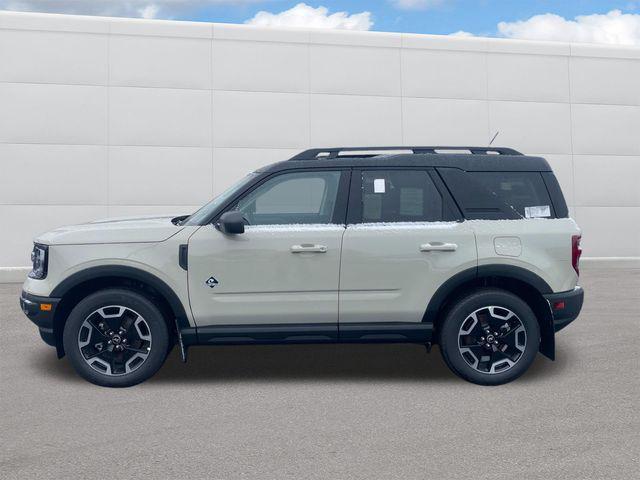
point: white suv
(470, 248)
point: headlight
(39, 258)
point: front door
(400, 247)
(284, 269)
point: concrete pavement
(325, 412)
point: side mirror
(231, 223)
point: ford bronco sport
(467, 247)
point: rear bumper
(41, 311)
(565, 306)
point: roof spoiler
(323, 153)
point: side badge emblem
(211, 282)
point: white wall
(107, 117)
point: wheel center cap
(116, 339)
(490, 338)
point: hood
(113, 230)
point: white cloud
(614, 27)
(302, 15)
(150, 11)
(462, 33)
(117, 8)
(416, 4)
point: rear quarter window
(499, 195)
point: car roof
(480, 159)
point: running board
(387, 332)
(267, 334)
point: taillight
(576, 251)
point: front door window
(298, 198)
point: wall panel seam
(573, 166)
(486, 73)
(213, 136)
(269, 147)
(402, 138)
(146, 204)
(104, 85)
(108, 120)
(308, 93)
(293, 92)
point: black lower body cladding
(41, 311)
(565, 306)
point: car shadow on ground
(303, 363)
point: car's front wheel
(489, 337)
(116, 338)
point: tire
(116, 338)
(474, 352)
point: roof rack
(323, 153)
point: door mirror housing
(231, 223)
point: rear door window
(400, 196)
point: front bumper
(565, 306)
(41, 311)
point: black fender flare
(124, 271)
(517, 273)
(545, 317)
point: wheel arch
(77, 286)
(517, 280)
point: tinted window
(499, 195)
(399, 196)
(523, 191)
(292, 198)
(555, 192)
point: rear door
(403, 241)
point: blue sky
(596, 21)
(476, 16)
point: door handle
(308, 248)
(438, 247)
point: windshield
(204, 212)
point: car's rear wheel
(489, 337)
(116, 338)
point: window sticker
(540, 211)
(378, 185)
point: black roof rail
(324, 153)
